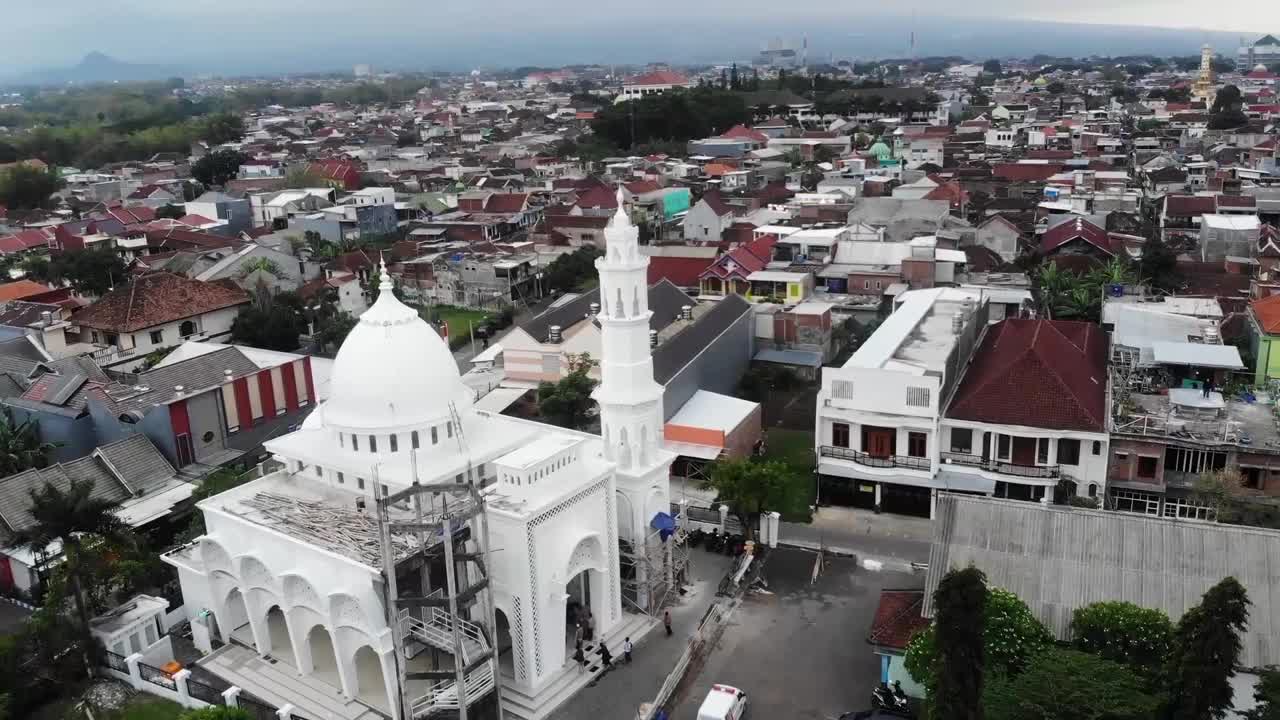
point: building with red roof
(652, 83)
(1031, 410)
(1077, 237)
(728, 274)
(339, 173)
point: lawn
(794, 448)
(460, 320)
(146, 707)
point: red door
(1024, 451)
(879, 443)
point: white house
(999, 235)
(707, 220)
(651, 83)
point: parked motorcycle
(891, 699)
(695, 537)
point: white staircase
(524, 704)
(436, 630)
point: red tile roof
(598, 197)
(1037, 373)
(506, 203)
(717, 203)
(26, 240)
(950, 191)
(1267, 313)
(681, 271)
(1063, 233)
(133, 215)
(20, 289)
(897, 618)
(1188, 205)
(1269, 241)
(182, 238)
(640, 187)
(659, 77)
(156, 299)
(744, 259)
(195, 220)
(1237, 201)
(1025, 172)
(746, 133)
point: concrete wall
(76, 435)
(205, 414)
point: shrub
(1123, 632)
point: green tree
(217, 167)
(223, 128)
(1227, 111)
(1055, 88)
(1206, 651)
(1123, 632)
(1266, 695)
(271, 326)
(959, 618)
(1159, 265)
(567, 403)
(992, 67)
(1011, 636)
(302, 177)
(570, 271)
(1061, 684)
(749, 487)
(69, 518)
(171, 211)
(24, 187)
(92, 272)
(214, 483)
(333, 329)
(20, 445)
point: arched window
(395, 444)
(355, 442)
(618, 305)
(414, 438)
(373, 443)
(635, 301)
(188, 327)
(1093, 490)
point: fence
(116, 662)
(700, 644)
(203, 692)
(257, 709)
(156, 676)
(181, 688)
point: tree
(302, 177)
(333, 329)
(171, 211)
(271, 326)
(992, 67)
(20, 445)
(569, 271)
(567, 403)
(214, 483)
(1267, 696)
(1206, 650)
(1159, 265)
(217, 167)
(1123, 632)
(1062, 684)
(1011, 636)
(959, 618)
(24, 187)
(223, 128)
(68, 518)
(749, 487)
(1227, 112)
(90, 272)
(1055, 88)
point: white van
(724, 702)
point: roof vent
(178, 390)
(554, 334)
(595, 309)
(686, 312)
(957, 323)
(1211, 335)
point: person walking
(626, 650)
(605, 656)
(666, 621)
(581, 658)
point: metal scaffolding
(652, 573)
(425, 527)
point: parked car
(724, 702)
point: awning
(155, 506)
(963, 482)
(803, 358)
(499, 399)
(693, 450)
(1197, 354)
(489, 355)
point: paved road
(800, 653)
(896, 540)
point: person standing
(581, 658)
(591, 627)
(666, 621)
(606, 657)
(626, 650)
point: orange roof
(1267, 312)
(659, 77)
(20, 289)
(718, 169)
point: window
(962, 440)
(916, 444)
(448, 427)
(342, 480)
(355, 442)
(918, 397)
(1002, 447)
(360, 483)
(373, 443)
(1093, 490)
(319, 471)
(395, 444)
(1097, 447)
(385, 492)
(1042, 451)
(1136, 502)
(93, 335)
(1147, 466)
(1068, 452)
(157, 337)
(342, 442)
(840, 434)
(866, 284)
(435, 437)
(413, 437)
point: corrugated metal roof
(1058, 559)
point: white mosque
(290, 566)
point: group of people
(585, 630)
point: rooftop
(918, 336)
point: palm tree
(20, 445)
(70, 518)
(1053, 285)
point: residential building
(337, 173)
(158, 311)
(651, 83)
(234, 214)
(707, 220)
(999, 235)
(1223, 236)
(727, 274)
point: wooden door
(879, 443)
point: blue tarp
(664, 524)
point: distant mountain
(97, 67)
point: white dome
(393, 371)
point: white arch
(254, 573)
(215, 556)
(624, 454)
(298, 592)
(635, 301)
(587, 554)
(626, 516)
(345, 611)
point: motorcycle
(890, 699)
(695, 537)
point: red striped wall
(267, 391)
(290, 387)
(243, 409)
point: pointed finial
(620, 217)
(385, 276)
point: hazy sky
(295, 35)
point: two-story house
(707, 220)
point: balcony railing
(1002, 468)
(876, 461)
